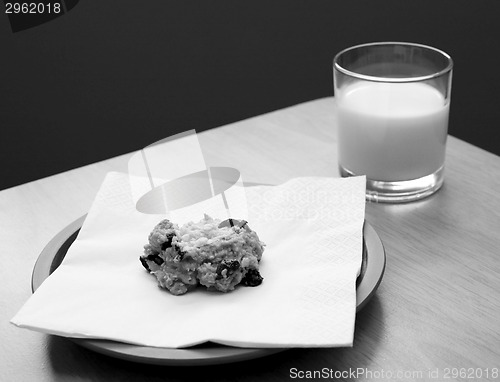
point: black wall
(112, 76)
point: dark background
(113, 76)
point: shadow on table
(70, 361)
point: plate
(372, 270)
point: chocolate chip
(180, 253)
(168, 243)
(252, 278)
(156, 258)
(230, 266)
(144, 263)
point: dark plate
(372, 270)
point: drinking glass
(393, 102)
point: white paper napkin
(312, 228)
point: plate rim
(375, 261)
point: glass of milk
(392, 106)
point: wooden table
(436, 311)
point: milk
(391, 131)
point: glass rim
(365, 77)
